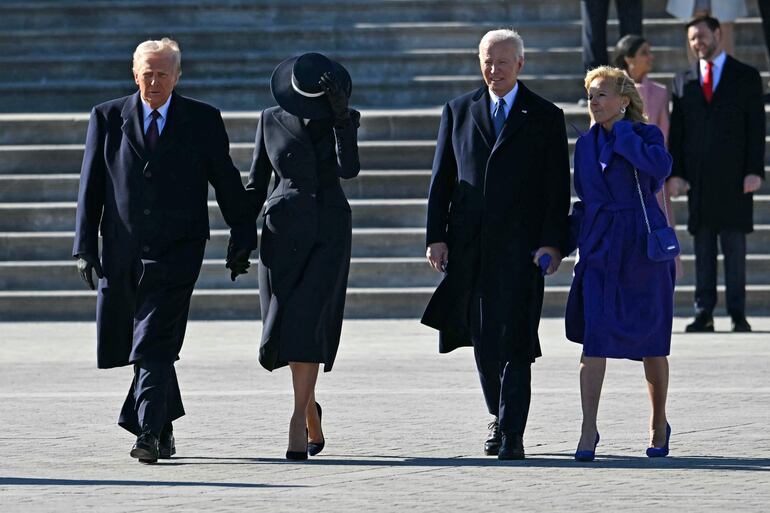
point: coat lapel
(481, 116)
(293, 125)
(724, 81)
(133, 127)
(174, 128)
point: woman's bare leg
(656, 372)
(591, 380)
(303, 377)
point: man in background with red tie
(717, 139)
(148, 161)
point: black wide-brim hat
(296, 88)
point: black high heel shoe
(297, 455)
(314, 448)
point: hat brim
(302, 106)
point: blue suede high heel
(587, 455)
(660, 452)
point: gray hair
(503, 36)
(165, 45)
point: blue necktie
(498, 120)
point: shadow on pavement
(555, 460)
(34, 481)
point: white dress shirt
(509, 99)
(162, 110)
(718, 64)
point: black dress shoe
(492, 444)
(703, 323)
(313, 448)
(740, 324)
(146, 448)
(166, 444)
(511, 447)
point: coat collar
(133, 125)
(293, 125)
(516, 117)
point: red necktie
(708, 82)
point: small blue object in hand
(544, 261)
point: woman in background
(633, 54)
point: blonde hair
(165, 45)
(503, 36)
(624, 86)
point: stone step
(367, 213)
(250, 94)
(292, 38)
(391, 184)
(372, 63)
(374, 155)
(407, 303)
(258, 14)
(48, 275)
(419, 124)
(367, 243)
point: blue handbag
(662, 243)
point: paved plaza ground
(404, 428)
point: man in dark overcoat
(717, 139)
(498, 204)
(149, 159)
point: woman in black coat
(308, 143)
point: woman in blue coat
(621, 302)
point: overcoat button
(148, 174)
(289, 155)
(145, 248)
(146, 211)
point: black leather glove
(338, 99)
(86, 263)
(237, 260)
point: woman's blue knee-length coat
(621, 303)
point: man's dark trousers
(593, 14)
(506, 385)
(733, 245)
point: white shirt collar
(509, 99)
(162, 110)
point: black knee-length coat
(495, 202)
(306, 236)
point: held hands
(338, 100)
(438, 256)
(237, 260)
(87, 263)
(677, 186)
(751, 183)
(555, 255)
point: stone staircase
(406, 59)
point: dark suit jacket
(715, 145)
(147, 207)
(495, 202)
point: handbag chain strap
(644, 208)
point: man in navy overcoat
(498, 204)
(149, 159)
